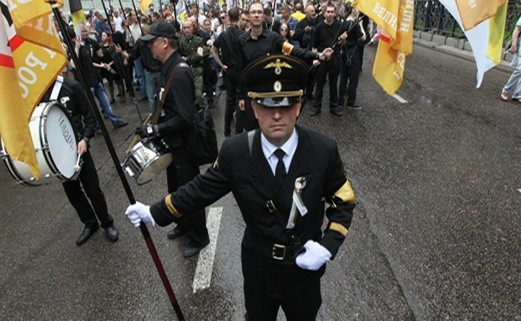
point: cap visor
(278, 102)
(148, 37)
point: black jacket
(179, 106)
(253, 185)
(83, 119)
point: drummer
(179, 112)
(84, 193)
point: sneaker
(354, 106)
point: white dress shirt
(289, 148)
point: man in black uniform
(227, 43)
(304, 33)
(352, 59)
(179, 109)
(284, 175)
(325, 34)
(259, 43)
(86, 187)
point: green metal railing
(431, 16)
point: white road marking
(203, 271)
(399, 98)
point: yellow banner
(473, 12)
(496, 34)
(143, 4)
(31, 56)
(34, 22)
(76, 13)
(396, 18)
(383, 12)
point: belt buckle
(274, 253)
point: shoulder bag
(201, 141)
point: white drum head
(59, 135)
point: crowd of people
(209, 43)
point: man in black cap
(179, 109)
(280, 175)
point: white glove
(314, 257)
(139, 212)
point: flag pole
(126, 186)
(120, 61)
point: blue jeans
(151, 79)
(140, 75)
(513, 81)
(99, 91)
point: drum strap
(164, 91)
(56, 89)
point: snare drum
(147, 159)
(55, 146)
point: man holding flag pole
(115, 159)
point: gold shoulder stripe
(346, 193)
(171, 207)
(337, 227)
(287, 48)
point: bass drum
(55, 146)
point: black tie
(280, 170)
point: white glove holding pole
(314, 257)
(138, 213)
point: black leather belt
(278, 252)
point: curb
(455, 47)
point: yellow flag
(474, 12)
(143, 4)
(486, 38)
(383, 12)
(76, 12)
(396, 20)
(496, 34)
(31, 56)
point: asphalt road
(436, 234)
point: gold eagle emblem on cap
(278, 65)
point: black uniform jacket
(253, 184)
(83, 118)
(179, 104)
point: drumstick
(136, 136)
(77, 167)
